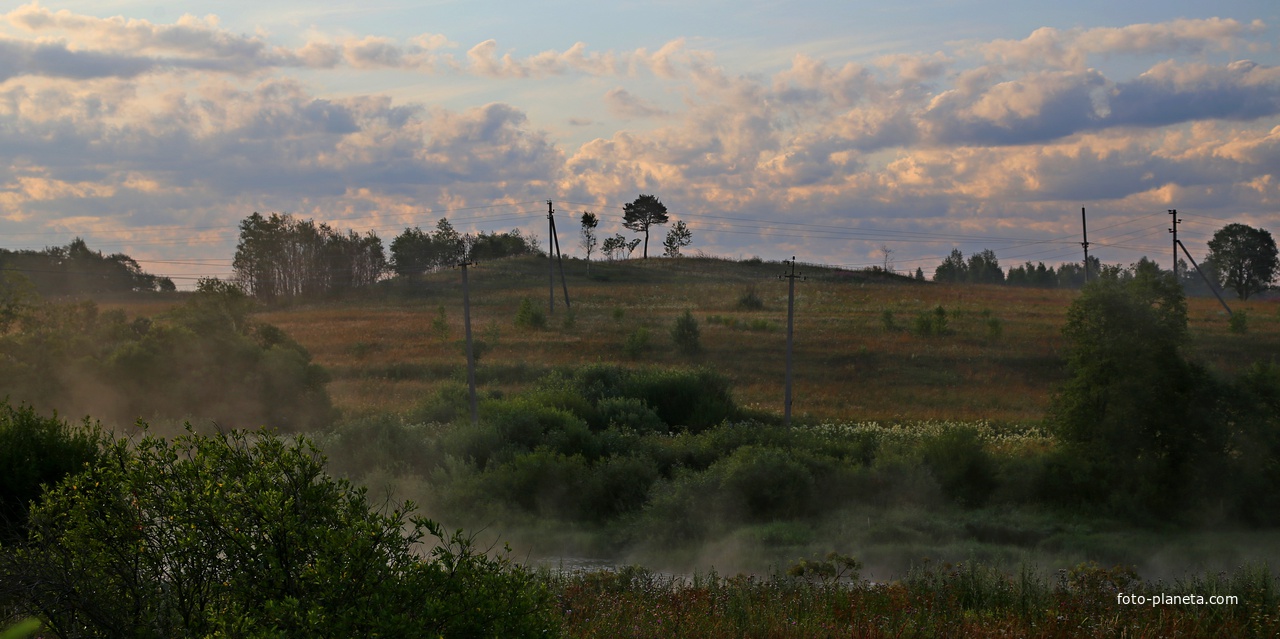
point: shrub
(637, 343)
(440, 325)
(995, 328)
(695, 399)
(685, 334)
(36, 451)
(961, 465)
(766, 483)
(1239, 322)
(246, 535)
(932, 324)
(543, 482)
(630, 413)
(750, 300)
(619, 485)
(529, 316)
(887, 321)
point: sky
(843, 133)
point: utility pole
(1084, 228)
(466, 321)
(551, 264)
(555, 238)
(1212, 287)
(1174, 229)
(791, 314)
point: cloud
(1170, 93)
(623, 104)
(129, 122)
(1071, 49)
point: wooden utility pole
(555, 240)
(1084, 228)
(471, 357)
(1174, 229)
(791, 314)
(551, 263)
(1212, 287)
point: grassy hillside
(858, 354)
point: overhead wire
(1054, 247)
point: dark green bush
(933, 323)
(380, 441)
(637, 343)
(765, 484)
(685, 334)
(1239, 322)
(37, 451)
(961, 464)
(530, 316)
(619, 485)
(246, 535)
(887, 320)
(630, 413)
(449, 402)
(750, 300)
(542, 482)
(682, 398)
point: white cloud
(129, 121)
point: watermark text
(1175, 600)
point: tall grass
(942, 600)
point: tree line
(1240, 257)
(76, 269)
(281, 255)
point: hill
(860, 351)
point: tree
(613, 246)
(1135, 415)
(1243, 258)
(677, 238)
(984, 268)
(283, 256)
(644, 212)
(886, 254)
(411, 252)
(952, 269)
(589, 239)
(493, 246)
(17, 296)
(75, 269)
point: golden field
(1001, 358)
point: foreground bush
(246, 535)
(35, 451)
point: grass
(848, 364)
(939, 600)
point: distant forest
(75, 269)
